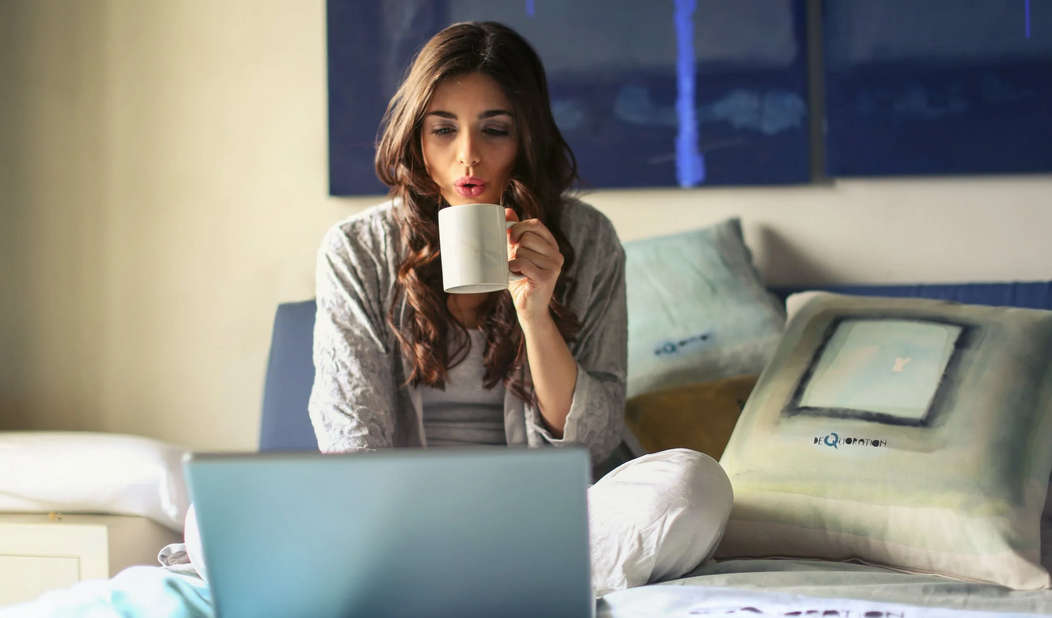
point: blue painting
(647, 93)
(938, 86)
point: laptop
(416, 533)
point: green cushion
(697, 310)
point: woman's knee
(699, 501)
(679, 477)
(657, 517)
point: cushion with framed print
(909, 433)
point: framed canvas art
(937, 87)
(648, 94)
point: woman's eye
(441, 131)
(495, 131)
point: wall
(163, 186)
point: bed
(747, 587)
(789, 587)
(742, 588)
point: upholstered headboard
(285, 425)
(290, 370)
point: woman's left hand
(537, 258)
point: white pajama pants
(655, 518)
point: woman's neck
(465, 307)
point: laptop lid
(406, 532)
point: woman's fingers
(536, 244)
(541, 261)
(526, 268)
(537, 255)
(535, 227)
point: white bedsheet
(689, 601)
(741, 588)
(844, 584)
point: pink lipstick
(470, 186)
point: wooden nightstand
(40, 553)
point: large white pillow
(83, 472)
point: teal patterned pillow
(909, 433)
(697, 310)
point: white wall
(163, 186)
(872, 231)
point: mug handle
(512, 276)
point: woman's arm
(596, 416)
(353, 401)
(554, 372)
(552, 366)
(582, 404)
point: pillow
(699, 417)
(697, 310)
(908, 433)
(82, 472)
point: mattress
(818, 588)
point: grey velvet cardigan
(360, 400)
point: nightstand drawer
(40, 553)
(27, 577)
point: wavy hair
(544, 170)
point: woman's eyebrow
(490, 113)
(443, 114)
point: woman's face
(469, 140)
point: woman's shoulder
(586, 225)
(375, 221)
(373, 231)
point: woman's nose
(467, 150)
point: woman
(395, 356)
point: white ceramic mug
(474, 248)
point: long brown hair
(544, 170)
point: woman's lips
(471, 190)
(470, 186)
